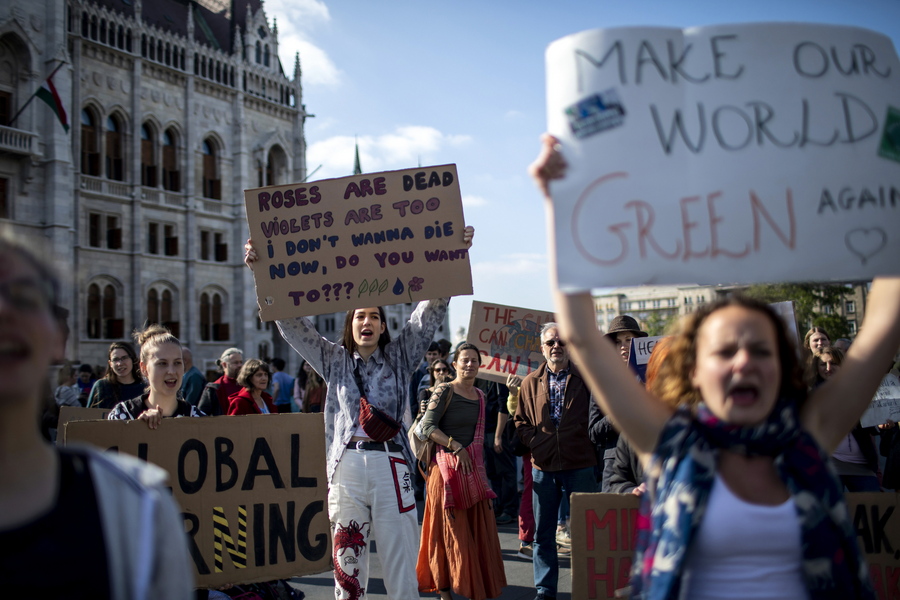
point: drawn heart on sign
(865, 243)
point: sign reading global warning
(732, 153)
(365, 240)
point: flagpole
(27, 102)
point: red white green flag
(48, 94)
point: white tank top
(743, 550)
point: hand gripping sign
(733, 153)
(365, 240)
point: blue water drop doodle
(399, 288)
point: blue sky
(423, 82)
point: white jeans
(373, 497)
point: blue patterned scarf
(679, 482)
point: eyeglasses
(551, 343)
(120, 359)
(436, 370)
(26, 295)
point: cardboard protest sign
(76, 413)
(876, 520)
(725, 154)
(886, 403)
(252, 489)
(365, 240)
(604, 528)
(509, 338)
(639, 355)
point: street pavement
(519, 574)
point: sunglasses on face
(440, 370)
(551, 343)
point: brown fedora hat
(624, 323)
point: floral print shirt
(385, 375)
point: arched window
(90, 146)
(101, 313)
(212, 185)
(205, 318)
(115, 163)
(212, 317)
(161, 309)
(103, 30)
(258, 53)
(266, 56)
(276, 166)
(152, 306)
(148, 156)
(94, 27)
(94, 312)
(220, 328)
(165, 308)
(170, 173)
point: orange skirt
(460, 549)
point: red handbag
(376, 423)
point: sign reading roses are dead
(733, 153)
(366, 240)
(252, 489)
(509, 338)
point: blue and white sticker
(595, 114)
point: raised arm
(301, 333)
(636, 412)
(834, 408)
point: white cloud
(470, 201)
(404, 148)
(298, 20)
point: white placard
(732, 153)
(886, 403)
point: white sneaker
(562, 536)
(526, 551)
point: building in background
(174, 107)
(656, 306)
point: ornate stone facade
(173, 110)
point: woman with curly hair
(739, 500)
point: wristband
(457, 451)
(450, 443)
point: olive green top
(458, 422)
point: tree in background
(657, 322)
(810, 302)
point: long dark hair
(347, 340)
(111, 376)
(438, 361)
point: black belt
(391, 446)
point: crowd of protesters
(730, 420)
